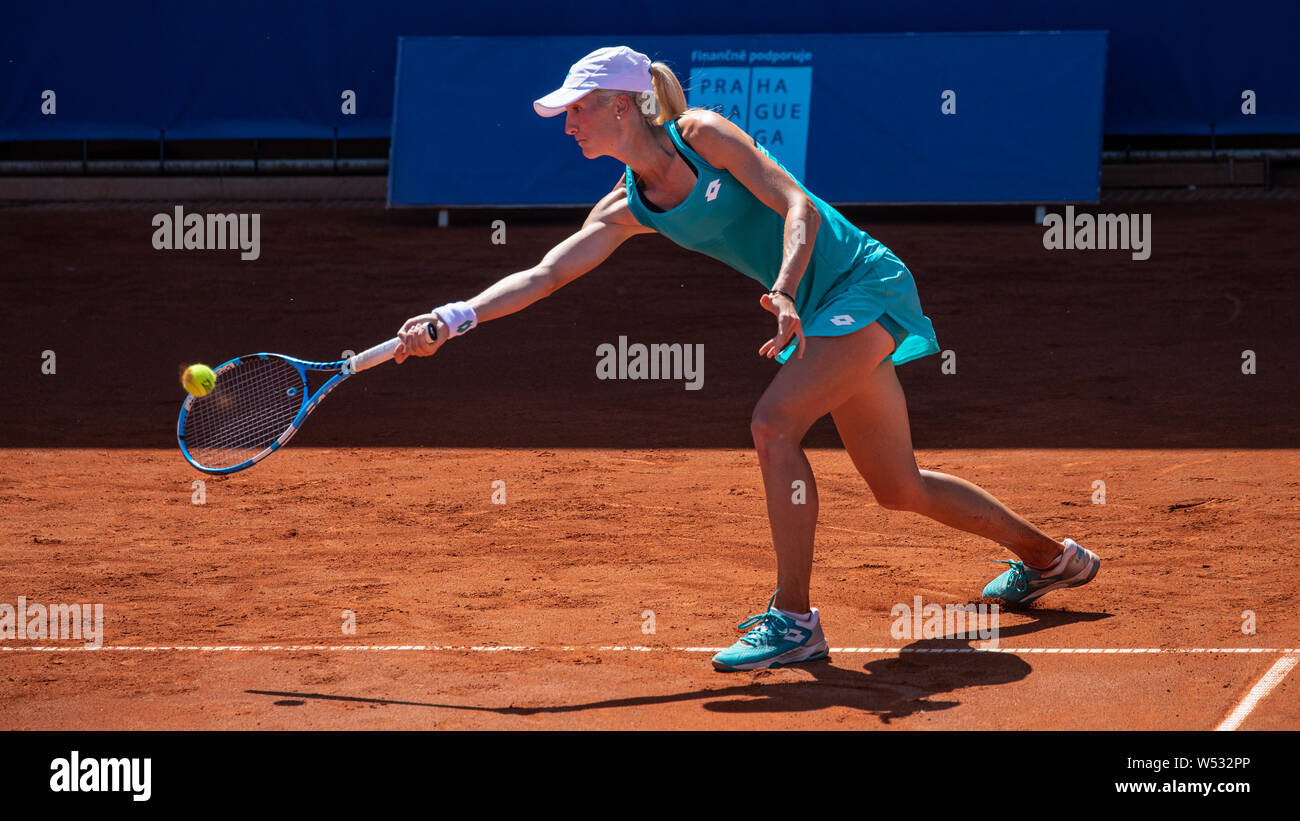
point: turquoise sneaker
(1022, 583)
(773, 640)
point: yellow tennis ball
(199, 380)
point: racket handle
(381, 353)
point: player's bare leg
(873, 425)
(830, 372)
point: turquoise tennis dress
(851, 279)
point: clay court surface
(623, 497)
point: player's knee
(901, 496)
(770, 430)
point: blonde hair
(667, 102)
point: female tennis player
(846, 310)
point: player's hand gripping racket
(258, 403)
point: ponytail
(666, 102)
(668, 94)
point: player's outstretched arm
(571, 258)
(609, 224)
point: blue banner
(1009, 117)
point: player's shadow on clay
(903, 685)
(899, 686)
(889, 688)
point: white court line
(494, 648)
(1257, 693)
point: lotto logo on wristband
(457, 316)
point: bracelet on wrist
(778, 292)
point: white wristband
(458, 317)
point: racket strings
(253, 404)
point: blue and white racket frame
(343, 368)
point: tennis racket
(258, 403)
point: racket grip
(381, 353)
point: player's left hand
(788, 325)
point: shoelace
(764, 625)
(1018, 578)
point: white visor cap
(617, 68)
